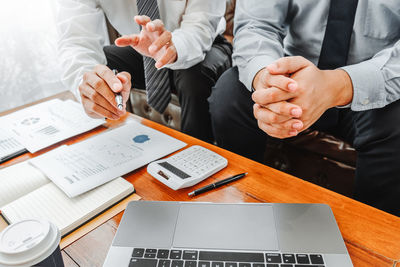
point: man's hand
(272, 117)
(98, 91)
(317, 91)
(153, 41)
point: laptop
(189, 234)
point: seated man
(341, 74)
(176, 45)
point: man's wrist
(256, 81)
(343, 87)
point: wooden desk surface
(372, 236)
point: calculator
(187, 168)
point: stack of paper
(42, 125)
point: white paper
(8, 143)
(93, 162)
(48, 123)
(18, 180)
(50, 203)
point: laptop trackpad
(226, 226)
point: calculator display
(181, 174)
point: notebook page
(50, 203)
(19, 180)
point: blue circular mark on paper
(141, 138)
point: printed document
(8, 143)
(47, 123)
(83, 166)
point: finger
(155, 26)
(281, 82)
(161, 41)
(168, 57)
(90, 113)
(109, 77)
(288, 65)
(275, 132)
(142, 20)
(271, 95)
(99, 86)
(97, 110)
(260, 79)
(289, 125)
(267, 116)
(89, 92)
(285, 108)
(126, 40)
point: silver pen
(118, 97)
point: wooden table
(372, 236)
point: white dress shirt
(83, 33)
(267, 30)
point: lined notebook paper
(29, 194)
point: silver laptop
(188, 234)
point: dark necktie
(335, 47)
(157, 81)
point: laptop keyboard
(194, 258)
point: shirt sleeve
(82, 33)
(376, 82)
(199, 27)
(259, 33)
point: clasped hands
(292, 93)
(99, 86)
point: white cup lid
(28, 242)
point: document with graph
(83, 166)
(8, 144)
(47, 123)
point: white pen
(118, 97)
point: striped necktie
(157, 81)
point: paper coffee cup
(30, 243)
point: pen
(217, 184)
(13, 155)
(118, 97)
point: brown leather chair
(314, 156)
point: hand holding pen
(118, 96)
(98, 92)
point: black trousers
(192, 85)
(375, 134)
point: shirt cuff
(368, 85)
(76, 92)
(248, 72)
